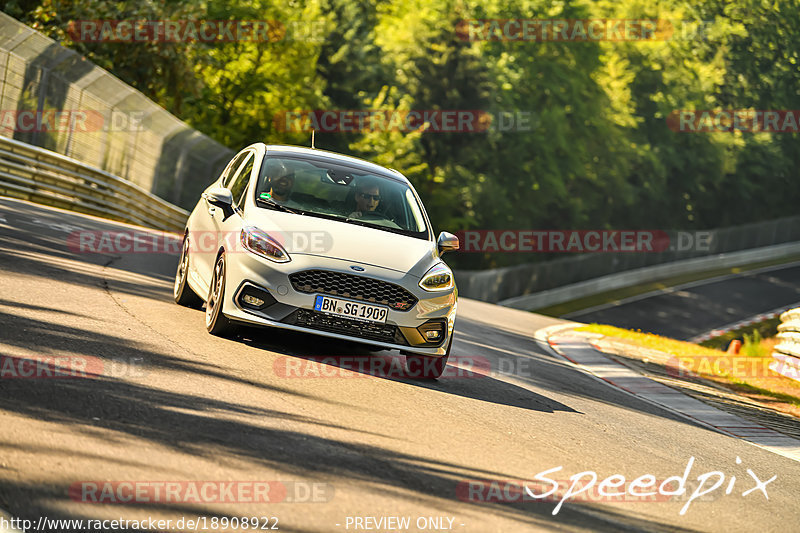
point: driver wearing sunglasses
(368, 196)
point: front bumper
(294, 310)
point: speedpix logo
(588, 486)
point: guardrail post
(43, 81)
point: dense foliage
(599, 152)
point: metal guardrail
(49, 178)
(505, 285)
(107, 123)
(787, 352)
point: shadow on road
(189, 422)
(344, 360)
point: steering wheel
(373, 215)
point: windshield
(347, 193)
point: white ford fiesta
(319, 242)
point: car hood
(308, 235)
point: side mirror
(222, 198)
(447, 242)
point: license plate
(348, 309)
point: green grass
(703, 362)
(780, 396)
(652, 341)
(764, 330)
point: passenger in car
(281, 187)
(280, 181)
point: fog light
(253, 297)
(432, 332)
(252, 300)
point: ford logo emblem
(357, 268)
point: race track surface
(166, 402)
(688, 311)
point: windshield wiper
(356, 221)
(360, 222)
(278, 207)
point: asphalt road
(189, 407)
(687, 311)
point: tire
(183, 294)
(217, 323)
(428, 367)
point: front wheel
(425, 366)
(183, 294)
(217, 323)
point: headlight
(260, 243)
(438, 278)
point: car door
(204, 236)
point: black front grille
(353, 287)
(343, 326)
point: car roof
(284, 149)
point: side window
(227, 175)
(239, 185)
